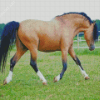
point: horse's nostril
(92, 47)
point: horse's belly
(49, 47)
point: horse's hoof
(44, 83)
(55, 79)
(5, 82)
(87, 78)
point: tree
(1, 29)
(98, 25)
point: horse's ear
(94, 22)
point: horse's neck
(80, 25)
(77, 23)
(75, 20)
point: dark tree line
(1, 29)
(98, 25)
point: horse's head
(91, 35)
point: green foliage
(98, 24)
(1, 29)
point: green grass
(27, 86)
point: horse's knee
(64, 66)
(12, 64)
(34, 65)
(63, 70)
(77, 61)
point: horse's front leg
(75, 58)
(64, 63)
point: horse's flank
(47, 35)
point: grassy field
(27, 86)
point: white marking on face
(9, 78)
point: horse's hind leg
(20, 51)
(34, 65)
(75, 58)
(13, 61)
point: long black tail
(7, 39)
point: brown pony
(47, 36)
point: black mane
(80, 13)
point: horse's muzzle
(92, 47)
